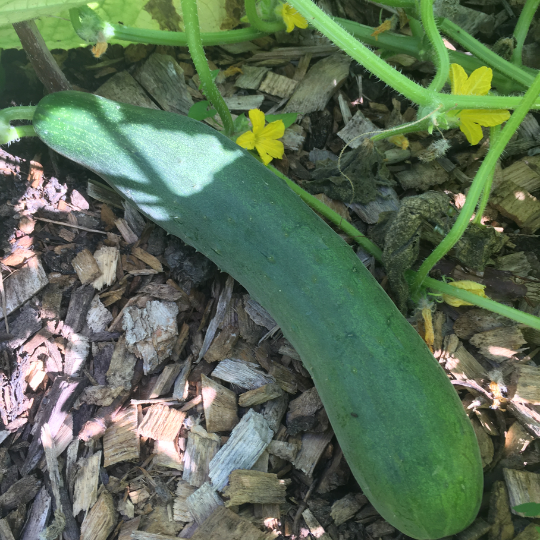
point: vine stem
(193, 34)
(17, 113)
(263, 26)
(522, 29)
(347, 43)
(412, 45)
(440, 52)
(485, 303)
(521, 75)
(478, 184)
(494, 133)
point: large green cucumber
(396, 416)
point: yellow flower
(291, 17)
(478, 84)
(429, 337)
(470, 286)
(263, 138)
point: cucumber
(397, 418)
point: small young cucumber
(397, 418)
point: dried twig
(65, 224)
(43, 62)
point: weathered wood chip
(247, 442)
(122, 365)
(121, 441)
(459, 361)
(316, 529)
(151, 331)
(523, 487)
(254, 487)
(101, 520)
(313, 446)
(86, 267)
(220, 409)
(524, 385)
(201, 448)
(260, 395)
(278, 85)
(499, 344)
(201, 503)
(167, 455)
(107, 260)
(122, 87)
(161, 422)
(226, 525)
(222, 344)
(125, 230)
(86, 484)
(183, 491)
(38, 516)
(23, 284)
(163, 78)
(500, 517)
(21, 492)
(243, 374)
(148, 259)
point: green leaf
(528, 509)
(215, 15)
(200, 111)
(15, 11)
(288, 118)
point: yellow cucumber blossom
(263, 138)
(291, 17)
(477, 84)
(471, 286)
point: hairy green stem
(494, 133)
(450, 101)
(209, 88)
(440, 52)
(492, 59)
(338, 35)
(414, 46)
(478, 184)
(263, 26)
(332, 216)
(420, 125)
(522, 29)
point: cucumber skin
(398, 420)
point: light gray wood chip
(23, 284)
(201, 448)
(201, 503)
(247, 442)
(243, 374)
